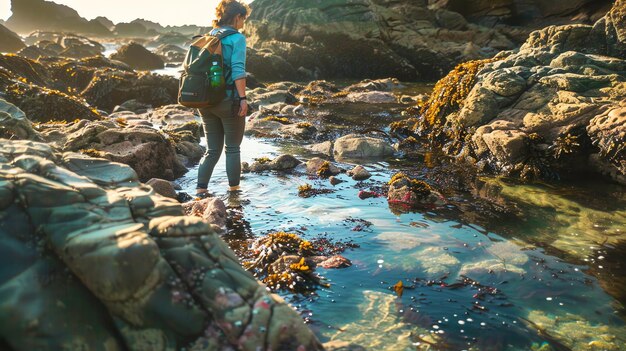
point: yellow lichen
(283, 120)
(324, 170)
(263, 160)
(92, 153)
(304, 125)
(341, 94)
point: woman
(225, 123)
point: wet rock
(268, 66)
(529, 113)
(133, 106)
(387, 84)
(280, 163)
(372, 97)
(301, 131)
(42, 104)
(335, 262)
(358, 146)
(79, 47)
(171, 53)
(411, 192)
(325, 148)
(365, 194)
(359, 173)
(262, 127)
(9, 41)
(608, 133)
(173, 114)
(334, 180)
(33, 52)
(118, 240)
(24, 69)
(212, 210)
(382, 37)
(138, 57)
(266, 96)
(189, 131)
(170, 38)
(321, 167)
(14, 124)
(146, 150)
(162, 187)
(109, 88)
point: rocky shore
(552, 109)
(92, 145)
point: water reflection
(497, 268)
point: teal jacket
(234, 53)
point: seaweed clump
(280, 260)
(565, 144)
(283, 120)
(419, 187)
(93, 153)
(304, 125)
(307, 191)
(450, 92)
(324, 171)
(448, 96)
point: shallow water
(544, 261)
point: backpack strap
(229, 72)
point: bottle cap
(215, 63)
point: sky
(179, 12)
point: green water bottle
(217, 76)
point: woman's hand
(243, 108)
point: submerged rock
(120, 251)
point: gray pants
(222, 126)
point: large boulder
(150, 153)
(109, 88)
(359, 146)
(541, 111)
(138, 57)
(31, 15)
(9, 41)
(103, 263)
(400, 39)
